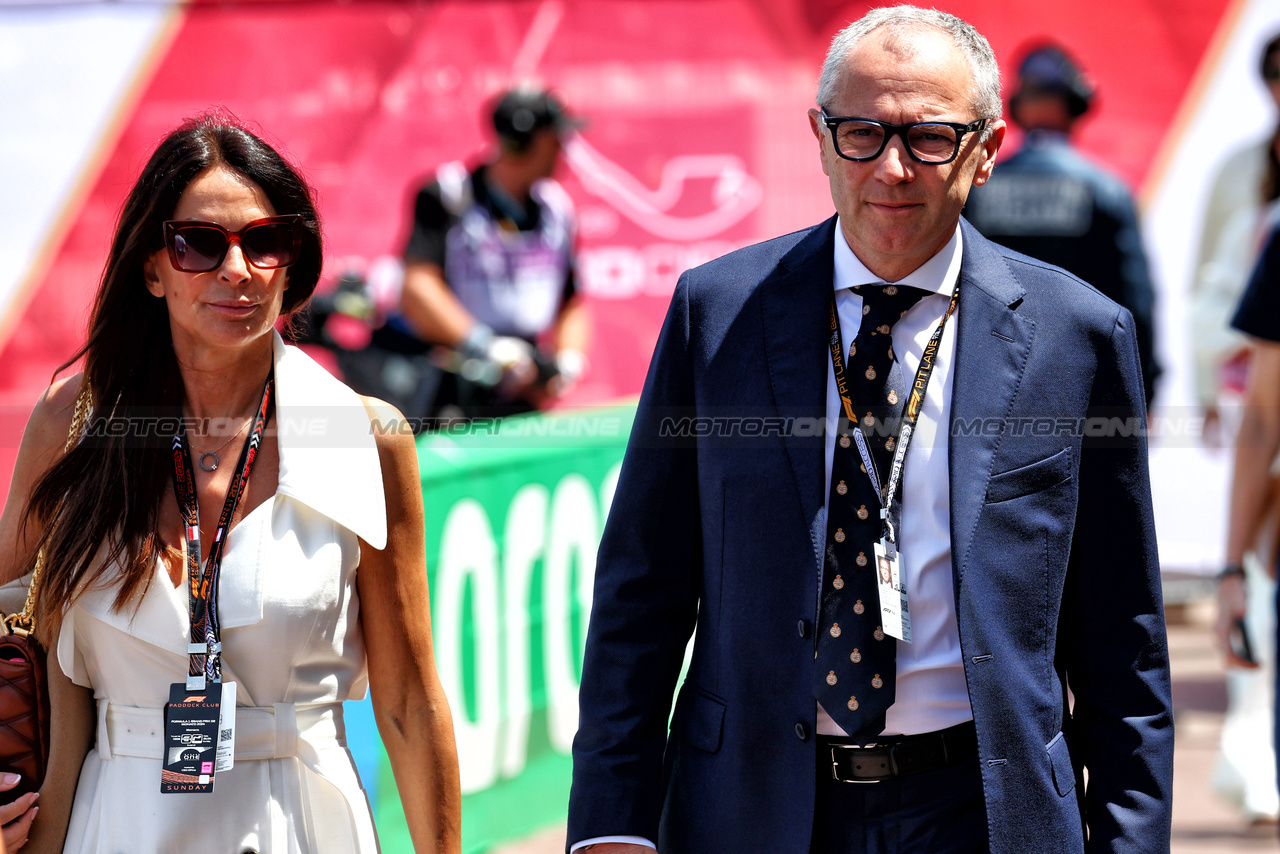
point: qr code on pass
(225, 735)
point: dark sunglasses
(199, 247)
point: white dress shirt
(931, 693)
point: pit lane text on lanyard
(895, 613)
(199, 720)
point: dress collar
(328, 454)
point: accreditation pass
(895, 616)
(199, 736)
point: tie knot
(887, 303)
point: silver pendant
(215, 461)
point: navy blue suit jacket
(1053, 552)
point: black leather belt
(898, 755)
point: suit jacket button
(802, 628)
(802, 732)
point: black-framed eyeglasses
(935, 143)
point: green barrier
(514, 511)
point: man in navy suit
(886, 386)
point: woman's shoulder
(392, 431)
(52, 416)
(42, 444)
(398, 456)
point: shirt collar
(937, 275)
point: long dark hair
(100, 503)
(1271, 175)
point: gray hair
(985, 99)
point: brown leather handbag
(24, 683)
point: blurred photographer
(1050, 202)
(489, 270)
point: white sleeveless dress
(292, 643)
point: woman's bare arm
(74, 721)
(408, 701)
(1256, 446)
(72, 706)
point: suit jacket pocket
(1028, 479)
(699, 719)
(1064, 775)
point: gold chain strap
(26, 621)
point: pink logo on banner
(206, 767)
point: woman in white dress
(308, 519)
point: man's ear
(149, 275)
(820, 132)
(989, 148)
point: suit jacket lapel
(795, 307)
(992, 345)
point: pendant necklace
(214, 453)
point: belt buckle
(852, 748)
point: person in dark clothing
(1050, 202)
(490, 270)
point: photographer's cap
(520, 113)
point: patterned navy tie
(855, 666)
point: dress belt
(262, 732)
(897, 755)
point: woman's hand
(1231, 607)
(16, 817)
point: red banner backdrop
(697, 139)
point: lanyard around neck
(915, 401)
(205, 645)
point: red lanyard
(205, 646)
